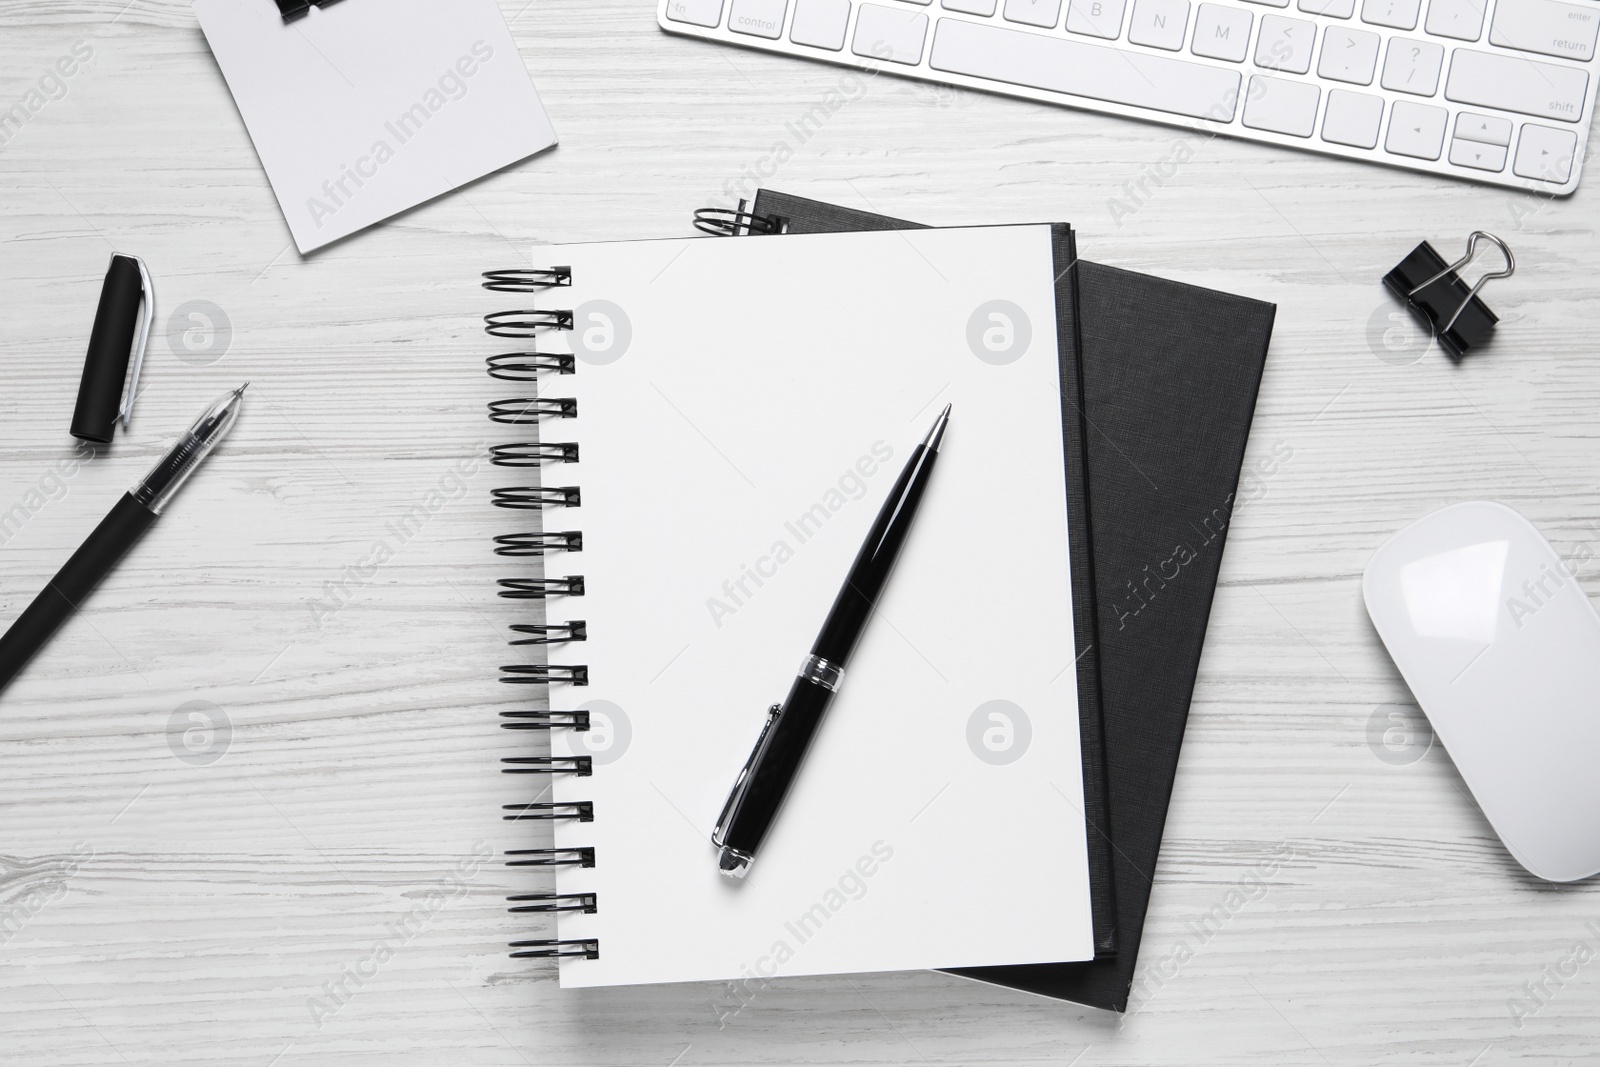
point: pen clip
(141, 337)
(736, 795)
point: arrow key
(1416, 130)
(1485, 129)
(1544, 153)
(1477, 155)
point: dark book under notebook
(1170, 378)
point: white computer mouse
(1501, 648)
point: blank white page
(364, 109)
(743, 407)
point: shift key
(1512, 83)
(1548, 27)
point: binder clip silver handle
(1472, 250)
(1435, 293)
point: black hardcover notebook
(1170, 375)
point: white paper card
(368, 107)
(743, 407)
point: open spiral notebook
(717, 424)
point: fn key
(695, 12)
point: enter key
(1548, 27)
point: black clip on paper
(298, 9)
(1437, 295)
(121, 332)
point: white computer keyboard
(1498, 91)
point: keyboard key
(1546, 27)
(1285, 44)
(1412, 66)
(1348, 55)
(1339, 9)
(1281, 105)
(1416, 130)
(1485, 129)
(1544, 153)
(820, 23)
(1097, 18)
(1477, 155)
(1221, 32)
(1044, 13)
(1511, 83)
(1159, 23)
(971, 7)
(695, 12)
(1353, 119)
(1271, 3)
(759, 18)
(1461, 19)
(890, 33)
(1064, 65)
(1396, 14)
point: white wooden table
(271, 894)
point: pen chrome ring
(733, 863)
(821, 672)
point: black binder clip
(121, 332)
(1447, 305)
(298, 9)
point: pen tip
(936, 435)
(240, 391)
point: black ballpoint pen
(760, 789)
(118, 532)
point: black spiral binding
(578, 811)
(541, 588)
(525, 409)
(534, 498)
(552, 857)
(533, 454)
(582, 766)
(526, 322)
(527, 366)
(530, 366)
(736, 222)
(545, 720)
(550, 633)
(537, 544)
(550, 949)
(584, 902)
(544, 673)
